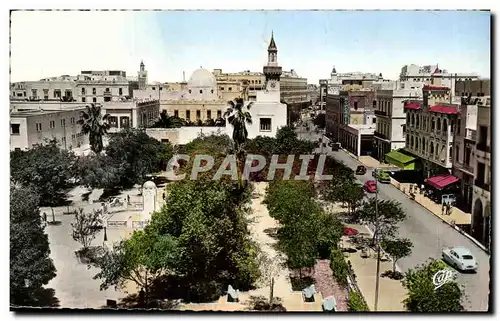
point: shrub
(357, 302)
(339, 266)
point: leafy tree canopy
(30, 264)
(397, 249)
(422, 297)
(47, 168)
(390, 213)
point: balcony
(465, 168)
(483, 147)
(380, 113)
(470, 134)
(482, 185)
(107, 94)
(379, 135)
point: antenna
(183, 76)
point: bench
(329, 304)
(308, 293)
(232, 294)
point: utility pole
(377, 244)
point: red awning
(431, 87)
(441, 181)
(451, 110)
(412, 106)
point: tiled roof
(451, 110)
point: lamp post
(377, 244)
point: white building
(33, 122)
(87, 87)
(391, 120)
(433, 75)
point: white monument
(149, 194)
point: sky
(53, 43)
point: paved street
(429, 236)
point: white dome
(149, 184)
(202, 78)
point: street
(429, 236)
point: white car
(460, 258)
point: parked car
(360, 170)
(460, 258)
(370, 186)
(335, 147)
(381, 175)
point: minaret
(272, 71)
(142, 76)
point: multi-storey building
(390, 134)
(429, 130)
(88, 87)
(433, 75)
(350, 120)
(481, 199)
(474, 93)
(33, 122)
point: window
(407, 140)
(221, 88)
(423, 145)
(73, 137)
(113, 121)
(14, 129)
(445, 125)
(230, 88)
(198, 114)
(52, 124)
(403, 127)
(94, 91)
(107, 99)
(417, 121)
(212, 91)
(124, 122)
(34, 93)
(94, 99)
(416, 143)
(433, 124)
(467, 154)
(260, 82)
(154, 88)
(355, 105)
(161, 88)
(63, 122)
(84, 99)
(432, 148)
(201, 91)
(438, 124)
(374, 120)
(374, 103)
(188, 114)
(265, 124)
(411, 141)
(176, 113)
(457, 152)
(45, 94)
(83, 91)
(209, 114)
(38, 127)
(24, 93)
(483, 135)
(120, 91)
(57, 93)
(189, 90)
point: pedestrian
(422, 187)
(448, 209)
(442, 209)
(128, 199)
(45, 217)
(411, 188)
(163, 196)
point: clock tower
(272, 71)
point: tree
(98, 171)
(86, 227)
(238, 116)
(96, 125)
(136, 155)
(30, 264)
(167, 121)
(320, 121)
(390, 213)
(422, 295)
(47, 168)
(351, 193)
(141, 259)
(330, 231)
(397, 249)
(270, 267)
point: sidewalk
(391, 292)
(457, 216)
(369, 161)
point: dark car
(360, 170)
(335, 147)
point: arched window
(432, 148)
(445, 125)
(418, 121)
(439, 124)
(413, 119)
(411, 141)
(201, 91)
(423, 145)
(189, 90)
(212, 91)
(416, 143)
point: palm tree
(96, 125)
(166, 121)
(238, 116)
